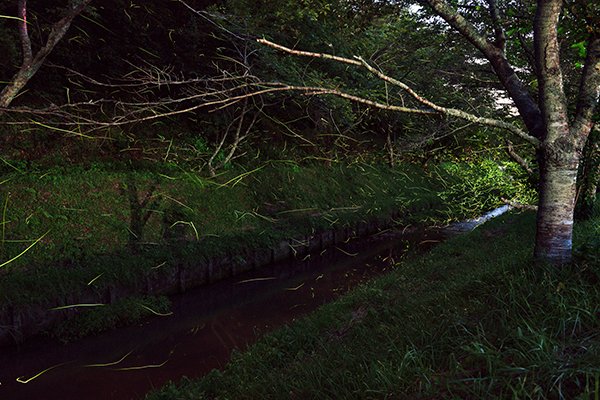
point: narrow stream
(207, 324)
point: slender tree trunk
(19, 81)
(560, 155)
(32, 63)
(554, 236)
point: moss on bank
(471, 319)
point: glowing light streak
(25, 381)
(295, 288)
(94, 280)
(142, 367)
(24, 251)
(156, 312)
(110, 364)
(77, 305)
(257, 280)
(346, 253)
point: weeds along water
(66, 230)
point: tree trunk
(560, 155)
(31, 64)
(554, 237)
(18, 82)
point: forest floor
(471, 319)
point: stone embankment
(20, 322)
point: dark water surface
(206, 325)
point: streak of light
(159, 265)
(142, 366)
(197, 329)
(95, 279)
(110, 363)
(21, 380)
(78, 305)
(270, 278)
(156, 312)
(24, 251)
(295, 288)
(429, 241)
(346, 253)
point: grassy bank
(106, 225)
(471, 319)
(67, 230)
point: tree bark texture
(494, 52)
(554, 235)
(554, 238)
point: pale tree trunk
(564, 141)
(554, 235)
(554, 238)
(30, 63)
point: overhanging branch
(434, 108)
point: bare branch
(519, 206)
(309, 53)
(517, 158)
(434, 107)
